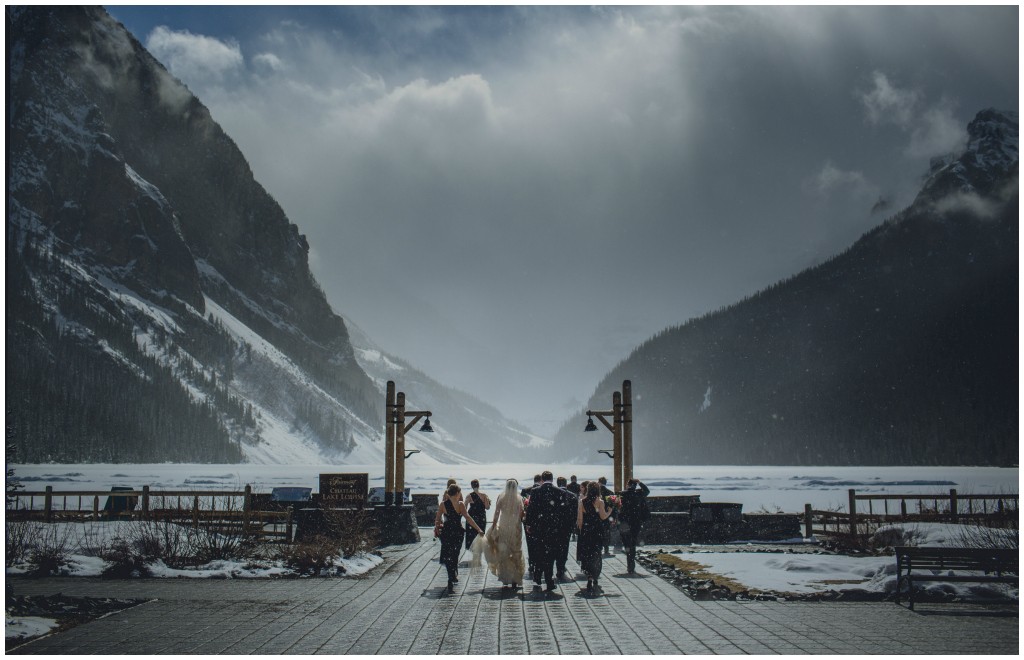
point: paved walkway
(402, 608)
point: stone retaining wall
(676, 527)
(425, 506)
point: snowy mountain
(465, 428)
(160, 305)
(900, 350)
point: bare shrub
(13, 484)
(92, 539)
(50, 549)
(47, 561)
(141, 543)
(311, 556)
(148, 539)
(220, 537)
(214, 542)
(19, 539)
(983, 536)
(995, 526)
(166, 540)
(346, 532)
(354, 528)
(126, 560)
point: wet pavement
(403, 607)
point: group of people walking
(550, 513)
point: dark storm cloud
(557, 184)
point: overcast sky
(513, 198)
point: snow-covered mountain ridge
(989, 158)
(475, 420)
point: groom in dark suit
(564, 535)
(531, 550)
(546, 520)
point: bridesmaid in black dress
(478, 504)
(589, 519)
(451, 533)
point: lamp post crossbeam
(417, 415)
(600, 416)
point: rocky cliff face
(228, 220)
(131, 213)
(981, 178)
(67, 174)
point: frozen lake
(756, 487)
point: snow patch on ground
(806, 573)
(810, 572)
(798, 573)
(27, 626)
(86, 539)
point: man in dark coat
(574, 486)
(634, 512)
(531, 552)
(568, 507)
(545, 520)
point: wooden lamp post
(621, 427)
(389, 445)
(395, 452)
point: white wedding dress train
(502, 545)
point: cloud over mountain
(194, 56)
(533, 156)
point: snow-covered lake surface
(772, 488)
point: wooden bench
(917, 564)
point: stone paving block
(401, 609)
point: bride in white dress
(502, 546)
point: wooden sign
(344, 490)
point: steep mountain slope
(146, 266)
(901, 350)
(465, 428)
(160, 304)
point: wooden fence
(874, 510)
(217, 510)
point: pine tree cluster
(80, 388)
